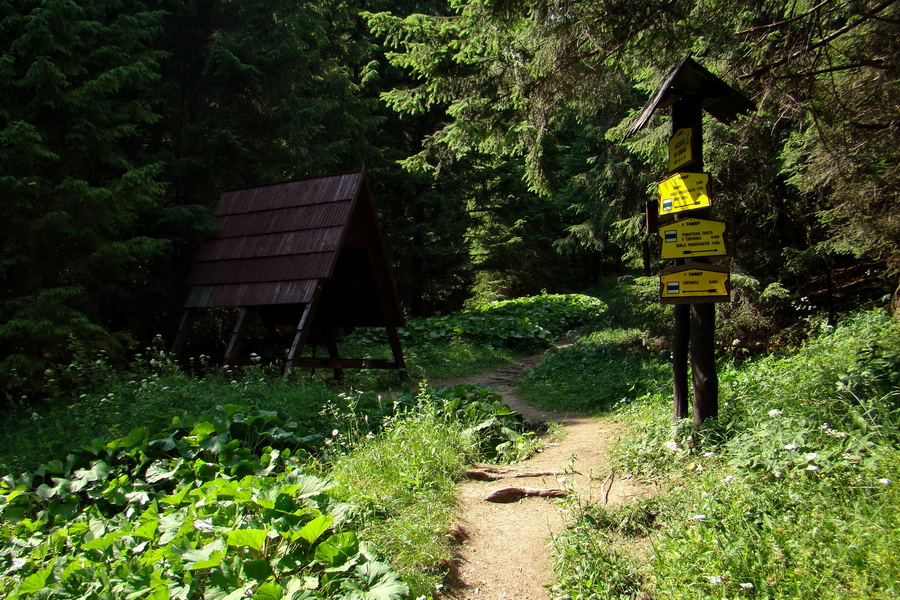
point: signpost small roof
(690, 78)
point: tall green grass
(792, 493)
(404, 481)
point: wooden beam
(237, 335)
(181, 337)
(304, 329)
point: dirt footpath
(504, 547)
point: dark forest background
(492, 131)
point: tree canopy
(493, 131)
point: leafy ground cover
(790, 494)
(154, 483)
(484, 337)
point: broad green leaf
(203, 429)
(268, 591)
(248, 538)
(376, 582)
(338, 551)
(215, 444)
(206, 557)
(162, 470)
(98, 472)
(36, 581)
(308, 485)
(260, 570)
(103, 542)
(313, 530)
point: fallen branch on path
(609, 479)
(495, 474)
(514, 493)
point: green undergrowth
(791, 493)
(245, 502)
(155, 483)
(597, 373)
(485, 337)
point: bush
(524, 323)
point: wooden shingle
(309, 250)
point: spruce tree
(73, 79)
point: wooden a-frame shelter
(307, 253)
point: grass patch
(605, 368)
(404, 480)
(792, 493)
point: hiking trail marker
(692, 238)
(681, 218)
(683, 191)
(680, 149)
(693, 283)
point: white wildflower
(812, 468)
(672, 446)
(715, 579)
(699, 517)
(709, 454)
(776, 412)
(884, 481)
(812, 456)
(791, 447)
(747, 586)
(729, 479)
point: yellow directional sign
(694, 283)
(680, 149)
(690, 238)
(683, 191)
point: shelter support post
(237, 335)
(303, 332)
(181, 337)
(396, 350)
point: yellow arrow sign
(683, 191)
(680, 149)
(690, 238)
(694, 283)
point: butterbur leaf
(376, 582)
(166, 444)
(36, 581)
(203, 429)
(313, 530)
(216, 444)
(268, 591)
(338, 551)
(260, 570)
(162, 471)
(98, 472)
(247, 538)
(206, 557)
(308, 485)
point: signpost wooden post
(688, 236)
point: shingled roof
(688, 77)
(314, 244)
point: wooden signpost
(688, 236)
